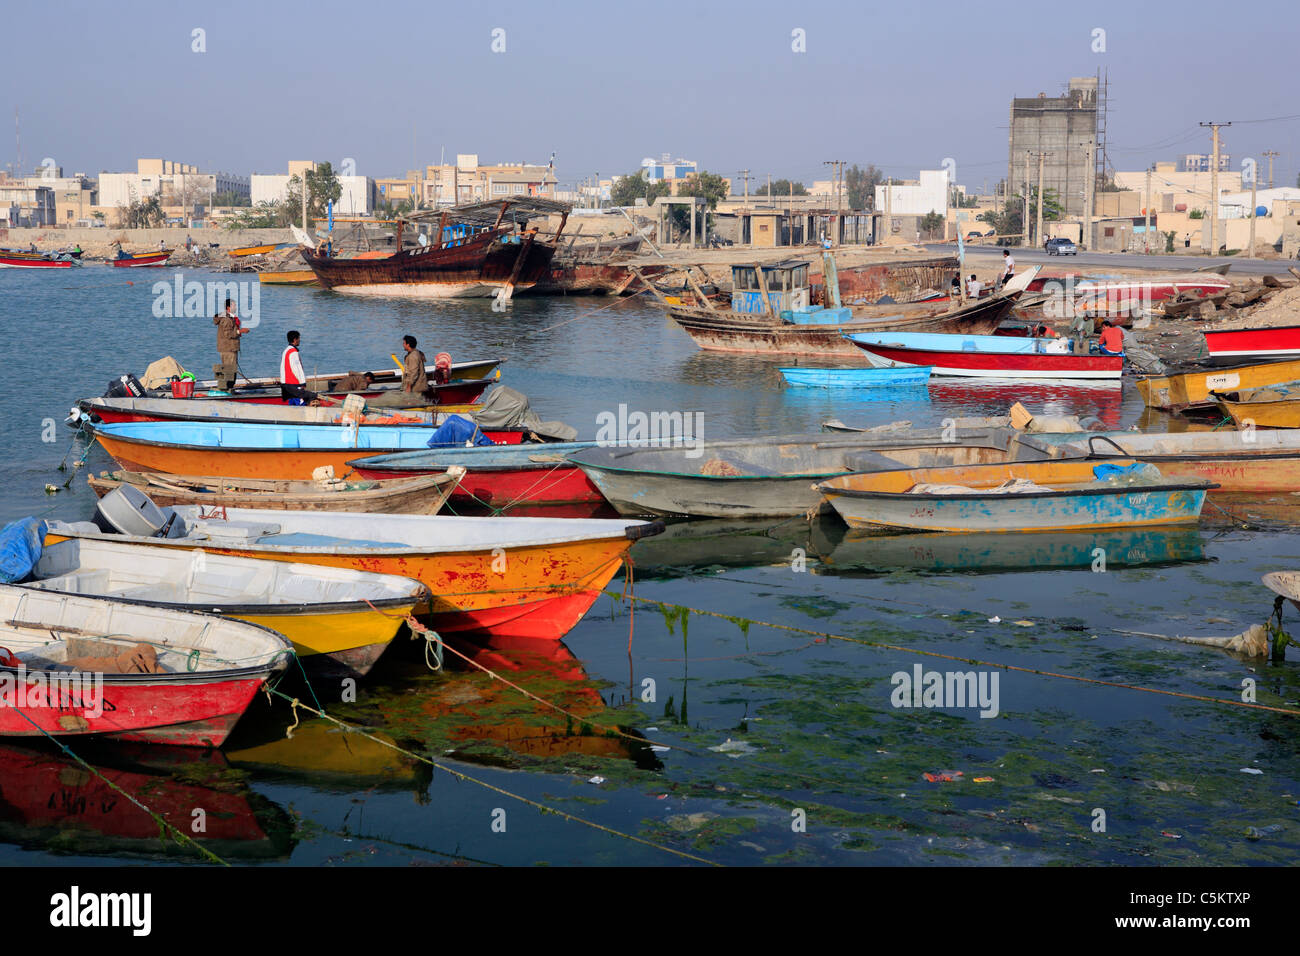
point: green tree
(712, 187)
(783, 187)
(1196, 214)
(322, 187)
(231, 199)
(1169, 241)
(1008, 222)
(860, 186)
(265, 215)
(931, 223)
(628, 189)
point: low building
(177, 185)
(25, 205)
(356, 196)
(916, 197)
(74, 196)
(467, 181)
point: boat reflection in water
(694, 547)
(462, 713)
(1101, 400)
(51, 803)
(997, 552)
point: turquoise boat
(856, 377)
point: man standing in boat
(1008, 267)
(228, 336)
(292, 379)
(415, 380)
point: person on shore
(973, 287)
(355, 382)
(189, 244)
(293, 381)
(1112, 339)
(229, 332)
(1008, 267)
(415, 380)
(162, 245)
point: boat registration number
(1227, 380)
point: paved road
(1101, 261)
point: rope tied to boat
(293, 709)
(433, 645)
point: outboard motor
(125, 386)
(128, 510)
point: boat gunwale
(1201, 485)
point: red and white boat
(132, 260)
(33, 262)
(984, 356)
(1237, 346)
(1153, 288)
(74, 665)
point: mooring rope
(464, 777)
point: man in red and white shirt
(292, 379)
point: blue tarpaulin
(20, 548)
(456, 431)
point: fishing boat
(473, 251)
(113, 410)
(388, 394)
(502, 478)
(1270, 343)
(520, 577)
(259, 250)
(983, 356)
(770, 313)
(60, 645)
(1191, 390)
(1153, 288)
(1063, 495)
(459, 371)
(773, 477)
(289, 277)
(856, 377)
(336, 618)
(247, 450)
(1266, 461)
(9, 261)
(132, 260)
(417, 495)
(1272, 406)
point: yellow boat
(253, 250)
(335, 617)
(291, 277)
(1192, 389)
(1275, 406)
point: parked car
(1060, 246)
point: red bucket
(183, 389)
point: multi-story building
(1064, 130)
(179, 186)
(1201, 162)
(467, 181)
(25, 205)
(74, 196)
(916, 197)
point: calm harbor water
(783, 745)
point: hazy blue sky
(902, 85)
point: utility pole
(1038, 220)
(744, 174)
(1024, 188)
(1214, 188)
(769, 189)
(1254, 185)
(836, 165)
(1270, 153)
(1089, 192)
(1146, 231)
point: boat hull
(1247, 345)
(293, 277)
(884, 501)
(141, 261)
(997, 365)
(197, 713)
(16, 262)
(1280, 414)
(1192, 389)
(424, 495)
(856, 377)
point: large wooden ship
(474, 251)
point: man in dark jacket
(229, 332)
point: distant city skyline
(395, 87)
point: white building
(357, 196)
(916, 197)
(176, 184)
(1237, 205)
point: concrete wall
(135, 239)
